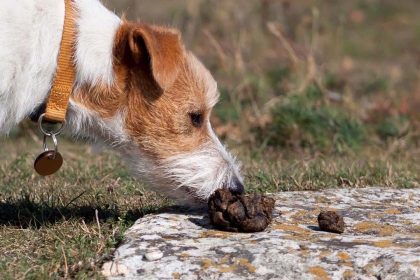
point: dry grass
(314, 95)
(67, 224)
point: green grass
(306, 122)
(318, 173)
(392, 127)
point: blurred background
(314, 94)
(320, 75)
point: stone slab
(381, 241)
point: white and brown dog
(137, 89)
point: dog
(137, 89)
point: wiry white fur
(188, 178)
(88, 124)
(203, 171)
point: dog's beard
(202, 171)
(188, 178)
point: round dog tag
(48, 163)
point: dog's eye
(196, 119)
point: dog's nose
(237, 187)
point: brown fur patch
(157, 86)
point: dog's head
(157, 113)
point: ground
(314, 95)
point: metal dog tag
(48, 162)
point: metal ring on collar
(55, 142)
(49, 133)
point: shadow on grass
(30, 214)
(24, 213)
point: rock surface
(381, 241)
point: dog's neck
(27, 73)
(96, 31)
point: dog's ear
(156, 50)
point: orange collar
(62, 87)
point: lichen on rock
(381, 240)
